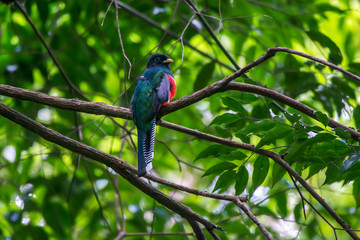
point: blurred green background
(45, 193)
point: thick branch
(219, 86)
(104, 109)
(275, 156)
(69, 104)
(121, 167)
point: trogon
(154, 88)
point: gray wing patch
(164, 89)
(161, 95)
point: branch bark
(87, 107)
(220, 86)
(121, 167)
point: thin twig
(207, 26)
(172, 152)
(275, 156)
(242, 206)
(96, 195)
(25, 94)
(50, 52)
(331, 65)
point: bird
(154, 88)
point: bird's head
(159, 60)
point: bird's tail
(146, 142)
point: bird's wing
(161, 93)
(164, 88)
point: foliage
(47, 193)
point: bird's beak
(169, 60)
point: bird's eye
(157, 59)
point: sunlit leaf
(335, 55)
(214, 151)
(261, 169)
(225, 180)
(353, 158)
(356, 191)
(278, 132)
(233, 105)
(225, 118)
(219, 168)
(322, 118)
(241, 178)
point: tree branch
(254, 219)
(219, 86)
(275, 156)
(88, 107)
(121, 167)
(281, 49)
(212, 34)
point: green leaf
(264, 211)
(292, 117)
(278, 132)
(235, 155)
(277, 173)
(54, 213)
(225, 180)
(298, 212)
(225, 118)
(314, 169)
(356, 191)
(261, 169)
(241, 178)
(323, 118)
(233, 105)
(219, 168)
(354, 67)
(262, 125)
(204, 76)
(296, 149)
(332, 174)
(356, 116)
(222, 132)
(36, 233)
(322, 137)
(246, 97)
(281, 200)
(344, 134)
(335, 55)
(353, 158)
(214, 151)
(323, 7)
